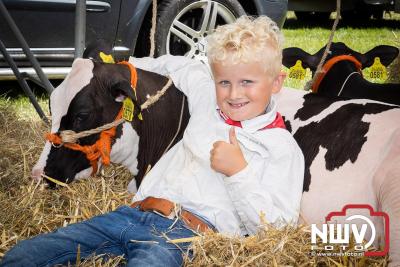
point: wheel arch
(128, 31)
(276, 10)
(250, 7)
(140, 36)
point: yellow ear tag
(106, 58)
(127, 109)
(140, 116)
(297, 71)
(378, 71)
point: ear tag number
(106, 58)
(127, 109)
(378, 71)
(297, 71)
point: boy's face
(244, 90)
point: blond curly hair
(248, 40)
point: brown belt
(167, 208)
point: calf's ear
(121, 90)
(99, 51)
(291, 54)
(386, 53)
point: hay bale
(28, 208)
(289, 246)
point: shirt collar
(260, 121)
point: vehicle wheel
(312, 16)
(183, 25)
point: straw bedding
(28, 208)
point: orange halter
(329, 64)
(102, 147)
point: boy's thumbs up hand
(227, 158)
(232, 137)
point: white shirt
(271, 183)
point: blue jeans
(115, 233)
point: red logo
(340, 233)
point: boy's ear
(278, 82)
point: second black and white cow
(342, 71)
(352, 156)
(91, 96)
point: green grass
(360, 37)
(22, 108)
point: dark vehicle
(350, 9)
(182, 25)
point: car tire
(183, 25)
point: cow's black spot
(342, 134)
(160, 121)
(287, 124)
(313, 105)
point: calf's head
(90, 96)
(386, 53)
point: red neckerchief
(277, 123)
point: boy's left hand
(227, 158)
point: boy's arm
(190, 76)
(162, 65)
(275, 193)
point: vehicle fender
(275, 9)
(130, 22)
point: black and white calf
(343, 76)
(91, 96)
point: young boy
(235, 164)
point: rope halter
(102, 147)
(329, 64)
